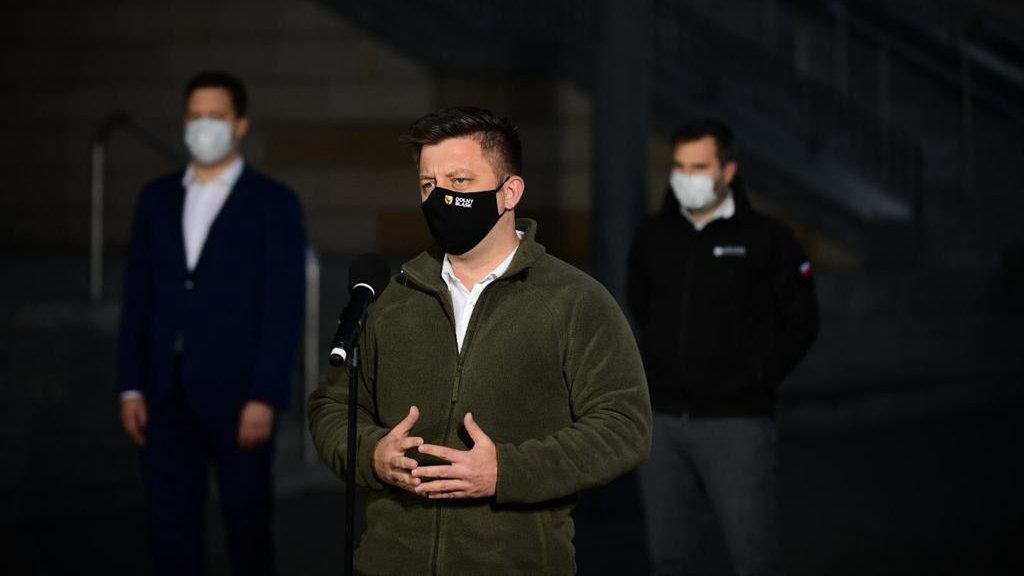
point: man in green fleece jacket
(496, 381)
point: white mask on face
(693, 191)
(208, 140)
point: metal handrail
(118, 121)
(937, 53)
(311, 349)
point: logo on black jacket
(720, 251)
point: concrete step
(284, 99)
(113, 20)
(255, 58)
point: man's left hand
(255, 425)
(472, 473)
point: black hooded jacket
(724, 314)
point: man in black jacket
(724, 302)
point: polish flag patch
(805, 270)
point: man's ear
(513, 189)
(241, 127)
(730, 172)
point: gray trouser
(725, 466)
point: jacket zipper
(688, 284)
(438, 509)
(450, 315)
(456, 388)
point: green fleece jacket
(550, 370)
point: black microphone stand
(350, 469)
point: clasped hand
(470, 473)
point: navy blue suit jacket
(232, 325)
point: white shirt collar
(226, 178)
(725, 210)
(449, 277)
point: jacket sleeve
(638, 281)
(136, 301)
(283, 302)
(328, 417)
(796, 308)
(611, 432)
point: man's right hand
(389, 460)
(133, 418)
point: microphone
(367, 278)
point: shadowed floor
(912, 474)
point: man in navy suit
(213, 305)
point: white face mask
(693, 191)
(209, 140)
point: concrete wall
(327, 104)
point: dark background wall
(889, 135)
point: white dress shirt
(203, 201)
(463, 300)
(725, 210)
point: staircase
(908, 60)
(830, 163)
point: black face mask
(459, 221)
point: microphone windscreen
(369, 269)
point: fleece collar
(425, 269)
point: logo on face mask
(448, 199)
(464, 202)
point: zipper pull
(456, 385)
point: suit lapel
(177, 225)
(223, 217)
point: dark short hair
(498, 137)
(725, 144)
(224, 80)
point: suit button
(189, 284)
